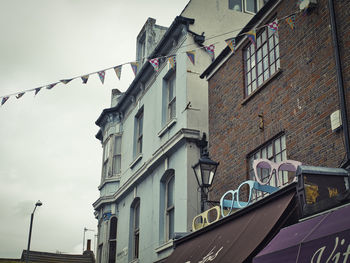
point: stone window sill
(167, 127)
(137, 159)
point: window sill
(167, 127)
(164, 246)
(136, 260)
(137, 159)
(263, 85)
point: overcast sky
(48, 149)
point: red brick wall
(297, 101)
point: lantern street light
(204, 171)
(38, 203)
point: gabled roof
(179, 20)
(240, 36)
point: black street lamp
(38, 203)
(204, 171)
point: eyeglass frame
(204, 216)
(274, 167)
(224, 203)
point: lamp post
(204, 171)
(38, 203)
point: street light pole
(39, 203)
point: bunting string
(155, 62)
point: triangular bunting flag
(4, 99)
(172, 61)
(134, 66)
(85, 78)
(19, 95)
(210, 49)
(65, 81)
(51, 86)
(273, 26)
(252, 36)
(191, 55)
(155, 63)
(102, 74)
(118, 71)
(37, 91)
(291, 21)
(231, 42)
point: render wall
(297, 101)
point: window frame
(117, 154)
(112, 240)
(136, 230)
(169, 97)
(138, 140)
(260, 63)
(274, 150)
(105, 158)
(244, 6)
(169, 209)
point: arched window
(112, 240)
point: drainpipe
(342, 101)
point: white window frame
(106, 153)
(243, 6)
(136, 231)
(117, 155)
(138, 140)
(169, 208)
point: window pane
(273, 68)
(258, 55)
(171, 215)
(266, 62)
(248, 64)
(266, 75)
(260, 80)
(253, 61)
(263, 35)
(269, 151)
(249, 89)
(248, 78)
(251, 6)
(283, 142)
(258, 41)
(277, 50)
(272, 56)
(137, 216)
(253, 85)
(117, 145)
(277, 145)
(260, 68)
(170, 192)
(264, 49)
(271, 44)
(116, 164)
(253, 75)
(235, 5)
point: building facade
(150, 135)
(285, 96)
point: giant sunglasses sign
(266, 167)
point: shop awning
(325, 238)
(238, 236)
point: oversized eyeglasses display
(268, 168)
(206, 218)
(227, 205)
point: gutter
(341, 92)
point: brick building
(275, 99)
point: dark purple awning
(325, 238)
(236, 237)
